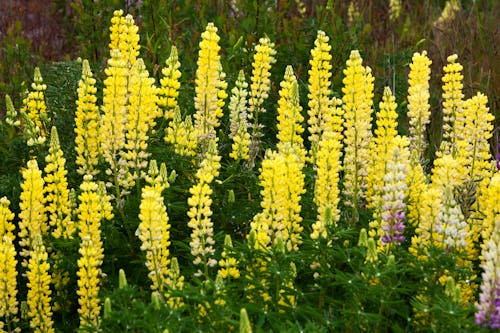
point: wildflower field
(241, 167)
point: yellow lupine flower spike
(238, 119)
(328, 165)
(282, 181)
(169, 91)
(113, 121)
(153, 230)
(426, 232)
(473, 147)
(56, 190)
(289, 116)
(418, 103)
(209, 86)
(488, 201)
(228, 263)
(39, 293)
(176, 282)
(200, 212)
(142, 111)
(357, 105)
(486, 313)
(381, 150)
(6, 217)
(35, 110)
(181, 134)
(263, 59)
(452, 106)
(94, 206)
(124, 37)
(476, 132)
(8, 282)
(417, 185)
(32, 219)
(87, 145)
(320, 104)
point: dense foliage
(259, 181)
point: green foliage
(16, 64)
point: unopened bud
(363, 238)
(230, 196)
(245, 326)
(107, 308)
(122, 279)
(155, 300)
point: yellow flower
(241, 143)
(238, 119)
(454, 227)
(8, 282)
(124, 37)
(35, 110)
(94, 206)
(228, 263)
(33, 221)
(490, 254)
(175, 281)
(282, 184)
(417, 185)
(169, 91)
(488, 203)
(328, 166)
(39, 310)
(181, 134)
(289, 116)
(6, 217)
(87, 146)
(209, 86)
(357, 104)
(381, 150)
(473, 142)
(447, 172)
(418, 103)
(426, 232)
(452, 106)
(320, 104)
(442, 223)
(56, 190)
(388, 225)
(142, 110)
(473, 150)
(153, 230)
(260, 86)
(116, 29)
(114, 118)
(200, 212)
